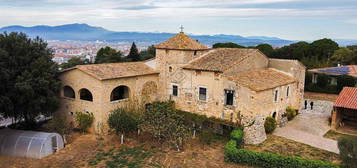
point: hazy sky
(289, 19)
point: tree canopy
(227, 45)
(133, 54)
(150, 52)
(73, 62)
(267, 49)
(108, 55)
(29, 85)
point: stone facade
(246, 105)
(139, 88)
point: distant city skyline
(287, 19)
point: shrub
(322, 80)
(237, 135)
(269, 124)
(345, 81)
(291, 113)
(58, 124)
(348, 151)
(122, 121)
(84, 120)
(166, 123)
(268, 160)
(207, 137)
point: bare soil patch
(89, 151)
(320, 96)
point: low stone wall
(254, 133)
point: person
(312, 105)
(305, 104)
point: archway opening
(85, 94)
(68, 92)
(119, 93)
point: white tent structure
(29, 144)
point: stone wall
(101, 91)
(295, 69)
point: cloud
(351, 21)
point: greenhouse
(29, 144)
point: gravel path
(310, 126)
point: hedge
(237, 135)
(269, 160)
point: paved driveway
(310, 125)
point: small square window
(202, 94)
(174, 90)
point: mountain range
(85, 32)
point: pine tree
(134, 53)
(28, 78)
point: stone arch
(68, 92)
(85, 94)
(119, 93)
(149, 88)
(274, 115)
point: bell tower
(174, 53)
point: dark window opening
(85, 94)
(170, 69)
(119, 93)
(274, 115)
(202, 94)
(229, 97)
(276, 95)
(68, 92)
(195, 53)
(287, 91)
(174, 90)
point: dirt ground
(320, 96)
(85, 148)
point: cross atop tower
(181, 28)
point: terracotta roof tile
(262, 79)
(221, 59)
(347, 98)
(115, 70)
(181, 42)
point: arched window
(85, 94)
(68, 92)
(119, 93)
(274, 115)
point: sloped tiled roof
(341, 70)
(181, 42)
(347, 98)
(115, 70)
(221, 59)
(262, 79)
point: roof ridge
(237, 62)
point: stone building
(229, 83)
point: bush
(345, 81)
(84, 120)
(269, 125)
(291, 113)
(237, 135)
(322, 80)
(268, 160)
(122, 121)
(348, 151)
(58, 124)
(207, 137)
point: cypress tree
(134, 53)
